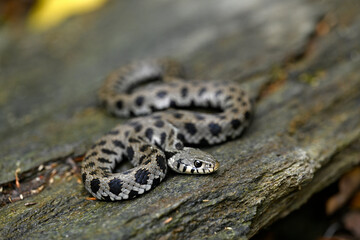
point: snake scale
(154, 142)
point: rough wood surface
(300, 60)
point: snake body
(154, 142)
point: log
(300, 61)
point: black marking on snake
(95, 185)
(93, 154)
(90, 164)
(178, 163)
(149, 133)
(142, 176)
(181, 137)
(138, 128)
(127, 133)
(103, 160)
(141, 159)
(247, 115)
(118, 143)
(228, 98)
(133, 194)
(93, 172)
(161, 162)
(115, 186)
(184, 92)
(239, 99)
(178, 115)
(113, 132)
(215, 129)
(108, 151)
(190, 128)
(130, 153)
(133, 140)
(184, 168)
(179, 146)
(171, 134)
(145, 147)
(244, 104)
(147, 162)
(161, 94)
(156, 182)
(172, 104)
(218, 93)
(119, 104)
(102, 143)
(139, 101)
(235, 110)
(83, 176)
(202, 91)
(162, 138)
(104, 169)
(106, 198)
(235, 123)
(127, 172)
(232, 89)
(159, 123)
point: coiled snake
(154, 142)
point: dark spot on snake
(133, 140)
(247, 115)
(230, 106)
(95, 185)
(130, 153)
(161, 162)
(93, 154)
(203, 142)
(145, 147)
(156, 182)
(113, 132)
(119, 104)
(106, 198)
(228, 98)
(118, 143)
(115, 186)
(181, 137)
(235, 123)
(218, 93)
(192, 170)
(108, 152)
(147, 162)
(103, 160)
(239, 99)
(93, 173)
(190, 128)
(202, 91)
(184, 168)
(179, 146)
(184, 92)
(133, 194)
(232, 89)
(89, 165)
(138, 128)
(172, 104)
(235, 110)
(161, 94)
(244, 104)
(127, 133)
(141, 159)
(83, 176)
(126, 172)
(104, 169)
(159, 123)
(214, 128)
(149, 133)
(101, 143)
(139, 101)
(178, 115)
(162, 138)
(142, 176)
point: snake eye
(197, 163)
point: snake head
(193, 161)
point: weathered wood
(305, 134)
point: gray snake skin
(154, 142)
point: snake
(164, 131)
